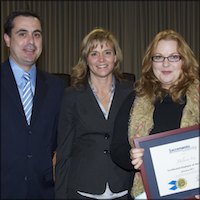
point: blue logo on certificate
(180, 183)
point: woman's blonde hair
(95, 37)
(149, 85)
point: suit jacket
(83, 154)
(26, 151)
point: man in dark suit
(27, 146)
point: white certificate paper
(176, 166)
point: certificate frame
(147, 168)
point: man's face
(25, 42)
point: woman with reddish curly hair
(166, 97)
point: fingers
(137, 163)
(136, 155)
(136, 136)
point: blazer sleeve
(64, 144)
(119, 145)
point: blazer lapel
(117, 98)
(90, 107)
(41, 89)
(10, 87)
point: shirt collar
(113, 84)
(18, 72)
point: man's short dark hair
(8, 25)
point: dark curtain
(134, 23)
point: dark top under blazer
(83, 154)
(26, 151)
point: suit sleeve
(60, 91)
(64, 144)
(120, 146)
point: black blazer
(83, 153)
(26, 151)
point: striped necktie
(27, 98)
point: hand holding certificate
(171, 163)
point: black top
(167, 116)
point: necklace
(98, 96)
(107, 94)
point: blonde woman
(84, 168)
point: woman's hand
(136, 155)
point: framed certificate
(170, 168)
